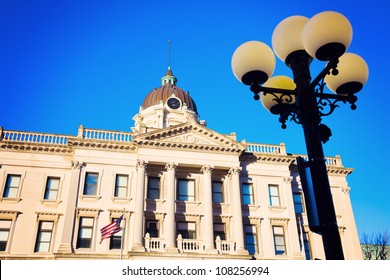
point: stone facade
(186, 191)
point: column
(169, 221)
(139, 207)
(66, 246)
(208, 225)
(238, 231)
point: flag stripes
(111, 229)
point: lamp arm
(331, 65)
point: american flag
(111, 229)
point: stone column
(139, 207)
(66, 246)
(238, 228)
(208, 228)
(169, 221)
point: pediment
(190, 136)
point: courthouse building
(186, 192)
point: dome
(166, 90)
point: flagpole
(123, 233)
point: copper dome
(164, 92)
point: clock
(173, 103)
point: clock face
(173, 103)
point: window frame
(246, 195)
(4, 229)
(48, 189)
(252, 234)
(272, 197)
(152, 187)
(218, 193)
(188, 233)
(39, 231)
(279, 237)
(80, 227)
(221, 234)
(85, 187)
(187, 194)
(118, 187)
(6, 186)
(154, 233)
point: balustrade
(107, 135)
(33, 137)
(266, 149)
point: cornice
(101, 144)
(35, 147)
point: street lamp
(297, 40)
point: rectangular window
(90, 185)
(152, 228)
(247, 193)
(121, 182)
(186, 190)
(306, 244)
(217, 192)
(298, 206)
(251, 239)
(116, 238)
(5, 228)
(273, 191)
(12, 186)
(279, 240)
(52, 187)
(219, 230)
(187, 230)
(44, 236)
(84, 238)
(153, 188)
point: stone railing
(224, 246)
(33, 137)
(266, 149)
(189, 245)
(153, 244)
(330, 161)
(105, 135)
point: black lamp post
(297, 40)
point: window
(121, 182)
(84, 238)
(279, 241)
(90, 185)
(273, 191)
(251, 239)
(187, 230)
(152, 228)
(247, 193)
(5, 228)
(219, 230)
(153, 188)
(186, 190)
(306, 244)
(12, 186)
(52, 187)
(217, 192)
(298, 203)
(44, 235)
(116, 238)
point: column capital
(141, 164)
(207, 169)
(235, 171)
(170, 166)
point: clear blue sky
(64, 63)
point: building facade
(185, 190)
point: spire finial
(169, 78)
(169, 54)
